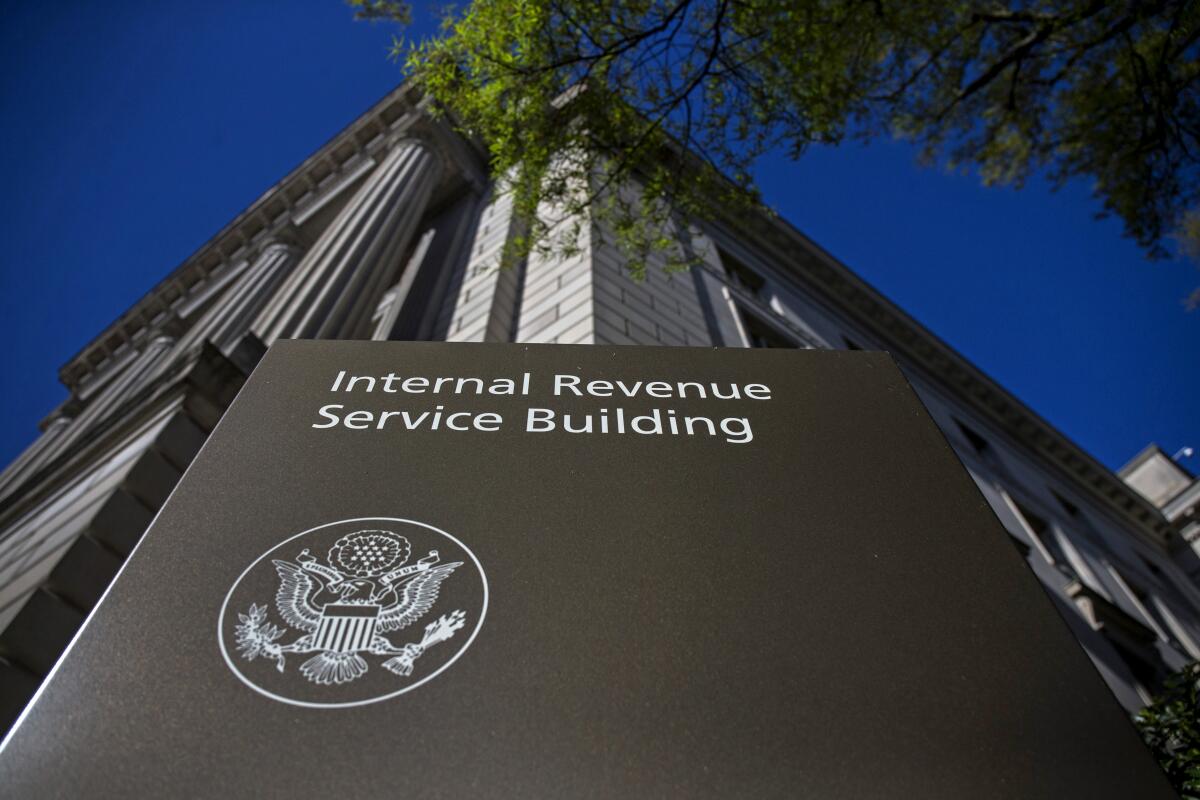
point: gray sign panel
(440, 570)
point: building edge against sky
(392, 231)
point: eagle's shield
(346, 628)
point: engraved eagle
(344, 605)
(413, 598)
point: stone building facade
(392, 231)
(1174, 491)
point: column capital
(160, 341)
(280, 247)
(60, 418)
(343, 272)
(454, 155)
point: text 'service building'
(392, 230)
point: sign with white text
(438, 570)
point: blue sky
(133, 131)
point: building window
(761, 334)
(742, 276)
(1068, 506)
(1143, 602)
(1148, 675)
(1155, 570)
(1040, 530)
(1022, 548)
(973, 438)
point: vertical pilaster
(34, 455)
(338, 282)
(265, 274)
(488, 299)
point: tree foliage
(1171, 727)
(569, 94)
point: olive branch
(256, 636)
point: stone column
(115, 394)
(229, 314)
(33, 457)
(258, 285)
(337, 282)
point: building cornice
(404, 111)
(270, 218)
(205, 383)
(918, 347)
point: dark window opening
(1171, 596)
(1041, 529)
(1148, 605)
(763, 335)
(1021, 546)
(1140, 594)
(976, 441)
(1145, 671)
(1067, 505)
(741, 275)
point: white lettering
(333, 418)
(358, 420)
(600, 388)
(540, 420)
(488, 418)
(758, 391)
(503, 386)
(654, 420)
(739, 427)
(562, 382)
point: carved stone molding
(270, 217)
(821, 275)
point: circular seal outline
(308, 704)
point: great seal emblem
(321, 618)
